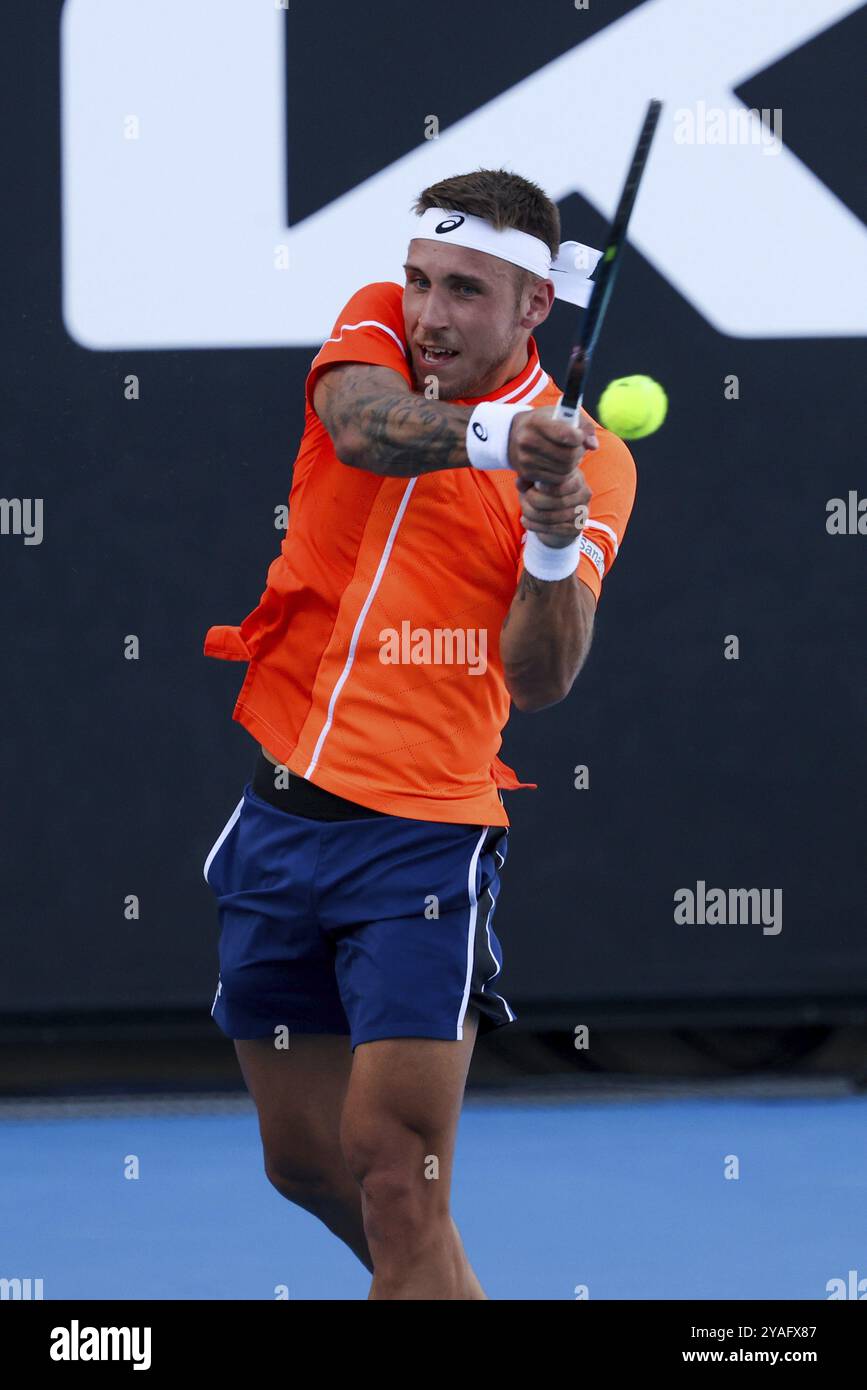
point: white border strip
(363, 323)
(519, 390)
(356, 632)
(225, 831)
(471, 935)
(485, 989)
(590, 524)
(502, 859)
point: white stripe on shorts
(225, 831)
(491, 951)
(471, 933)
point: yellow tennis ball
(632, 406)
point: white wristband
(488, 434)
(546, 562)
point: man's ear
(541, 301)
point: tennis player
(424, 583)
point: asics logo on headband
(451, 224)
(573, 260)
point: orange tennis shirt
(374, 665)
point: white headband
(569, 271)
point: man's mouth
(435, 356)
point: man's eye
(418, 280)
(471, 288)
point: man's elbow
(532, 701)
(348, 445)
(356, 451)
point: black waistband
(302, 798)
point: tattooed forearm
(529, 584)
(378, 424)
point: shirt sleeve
(369, 329)
(610, 474)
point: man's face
(467, 302)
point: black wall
(118, 775)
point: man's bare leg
(398, 1134)
(299, 1093)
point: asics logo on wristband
(488, 433)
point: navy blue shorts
(378, 927)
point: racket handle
(567, 412)
(564, 412)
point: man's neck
(516, 364)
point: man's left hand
(558, 513)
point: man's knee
(314, 1187)
(372, 1140)
(398, 1172)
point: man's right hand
(542, 449)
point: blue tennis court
(627, 1197)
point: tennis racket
(581, 355)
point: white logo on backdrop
(174, 175)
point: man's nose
(434, 310)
